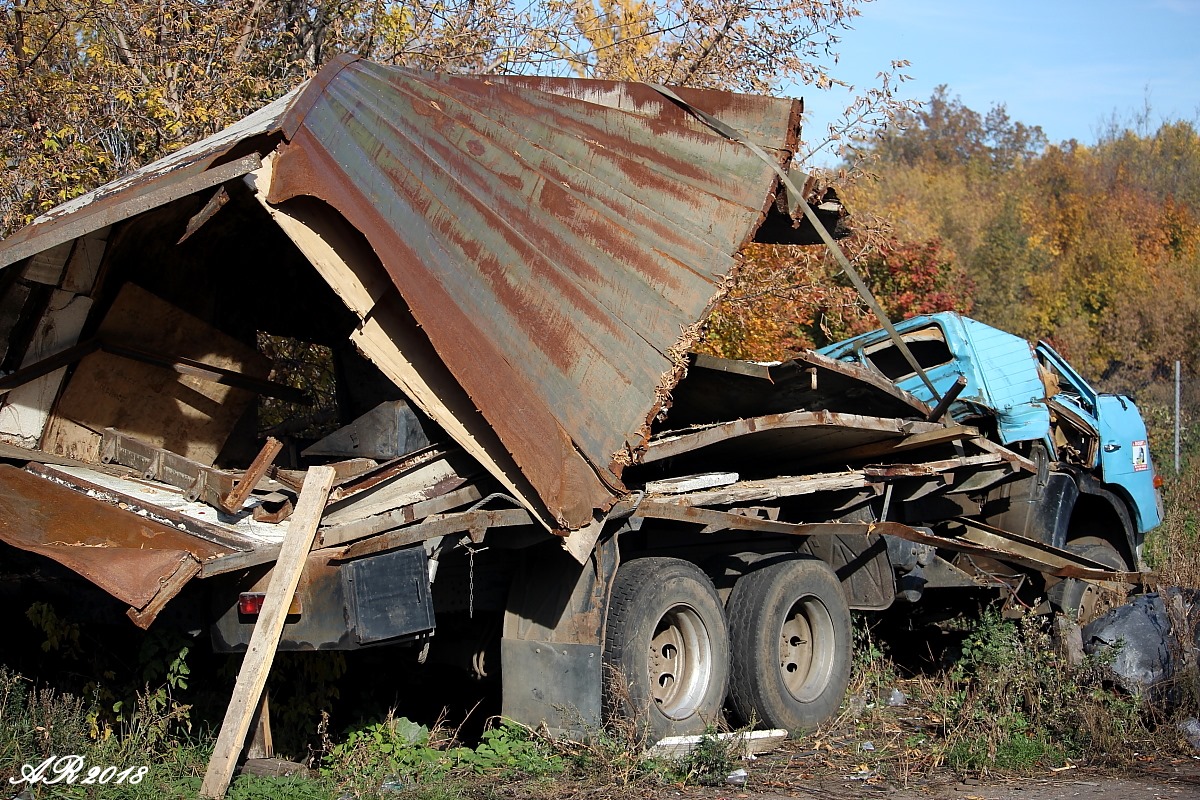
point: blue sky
(1065, 65)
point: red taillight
(251, 603)
(1158, 481)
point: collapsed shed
(515, 266)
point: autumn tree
(789, 299)
(945, 132)
(90, 89)
(1093, 248)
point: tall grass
(1173, 549)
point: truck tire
(666, 648)
(789, 625)
(1079, 600)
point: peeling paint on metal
(554, 250)
(557, 241)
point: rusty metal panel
(556, 252)
(128, 555)
(557, 241)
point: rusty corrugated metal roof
(555, 251)
(556, 240)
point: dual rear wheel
(779, 651)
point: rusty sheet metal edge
(43, 517)
(545, 437)
(124, 205)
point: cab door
(1125, 457)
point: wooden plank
(47, 267)
(264, 641)
(188, 366)
(233, 502)
(26, 410)
(262, 743)
(717, 521)
(84, 265)
(10, 452)
(773, 488)
(185, 414)
(72, 440)
(31, 372)
(691, 483)
(348, 532)
(423, 482)
(688, 441)
(1008, 455)
(745, 742)
(244, 560)
(922, 434)
(580, 543)
(478, 522)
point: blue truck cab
(1030, 399)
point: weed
(399, 753)
(711, 760)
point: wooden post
(262, 744)
(252, 677)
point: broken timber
(252, 678)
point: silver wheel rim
(806, 649)
(680, 662)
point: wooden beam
(774, 488)
(232, 503)
(922, 435)
(360, 529)
(262, 743)
(264, 554)
(264, 641)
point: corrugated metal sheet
(554, 250)
(557, 241)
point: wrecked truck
(1095, 491)
(501, 279)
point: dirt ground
(1086, 786)
(1157, 779)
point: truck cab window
(928, 346)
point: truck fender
(550, 650)
(1094, 513)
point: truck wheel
(1083, 601)
(666, 648)
(789, 626)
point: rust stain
(122, 552)
(555, 241)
